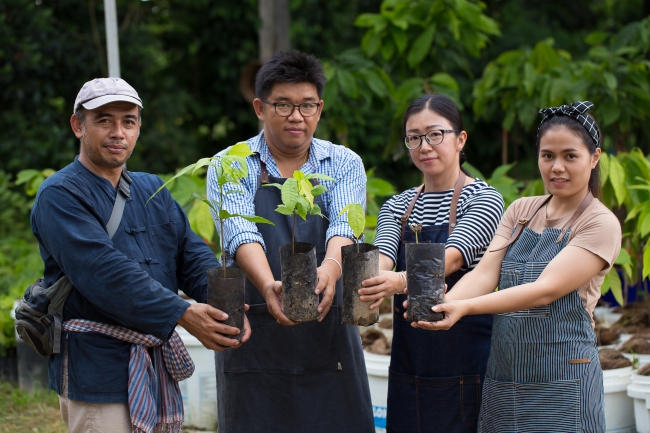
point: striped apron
(544, 373)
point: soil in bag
(228, 295)
(299, 280)
(425, 272)
(358, 266)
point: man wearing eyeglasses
(310, 377)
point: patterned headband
(577, 111)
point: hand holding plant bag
(298, 259)
(360, 262)
(226, 286)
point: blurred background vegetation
(500, 60)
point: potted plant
(298, 259)
(226, 285)
(360, 262)
(425, 274)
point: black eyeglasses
(285, 109)
(434, 138)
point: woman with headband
(435, 379)
(548, 259)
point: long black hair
(577, 129)
(443, 106)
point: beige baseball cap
(102, 91)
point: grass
(22, 412)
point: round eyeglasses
(433, 138)
(285, 109)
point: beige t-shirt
(597, 230)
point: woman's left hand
(453, 311)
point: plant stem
(293, 231)
(357, 240)
(416, 236)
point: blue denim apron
(307, 378)
(544, 373)
(435, 377)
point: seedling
(356, 220)
(298, 197)
(231, 167)
(417, 228)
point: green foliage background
(500, 60)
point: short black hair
(289, 67)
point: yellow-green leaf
(201, 220)
(617, 179)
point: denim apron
(544, 373)
(308, 378)
(436, 377)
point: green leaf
(603, 163)
(330, 94)
(646, 260)
(201, 221)
(240, 149)
(614, 283)
(623, 258)
(371, 42)
(277, 185)
(375, 83)
(617, 180)
(356, 218)
(302, 209)
(290, 193)
(318, 190)
(421, 47)
(26, 175)
(596, 38)
(224, 214)
(610, 80)
(315, 210)
(400, 38)
(348, 83)
(305, 189)
(284, 210)
(255, 219)
(176, 176)
(444, 80)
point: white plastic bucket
(607, 315)
(619, 408)
(639, 390)
(377, 369)
(199, 391)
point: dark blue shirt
(131, 280)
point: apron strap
(522, 223)
(583, 205)
(452, 207)
(264, 173)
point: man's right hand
(273, 295)
(202, 321)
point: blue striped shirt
(326, 158)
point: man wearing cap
(125, 286)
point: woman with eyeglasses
(435, 379)
(549, 258)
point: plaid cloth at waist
(155, 401)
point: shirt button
(148, 260)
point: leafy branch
(230, 167)
(298, 197)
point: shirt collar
(319, 149)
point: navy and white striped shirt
(479, 210)
(326, 158)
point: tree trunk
(274, 34)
